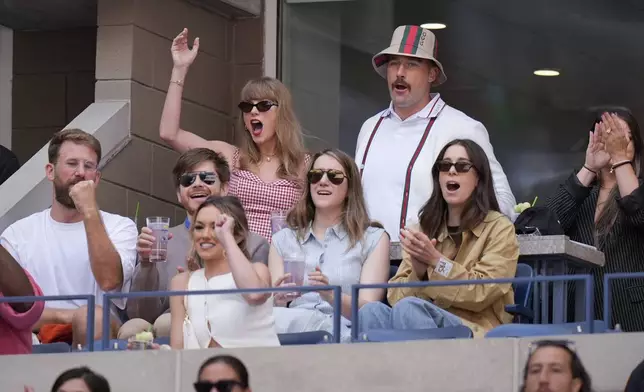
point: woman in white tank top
(222, 320)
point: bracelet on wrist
(178, 82)
(618, 164)
(590, 170)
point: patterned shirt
(260, 198)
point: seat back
(51, 348)
(299, 338)
(394, 335)
(523, 291)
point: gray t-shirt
(157, 276)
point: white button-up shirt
(392, 149)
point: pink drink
(278, 221)
(295, 267)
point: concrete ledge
(29, 191)
(489, 364)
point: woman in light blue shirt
(331, 230)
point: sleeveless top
(226, 318)
(260, 198)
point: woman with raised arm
(340, 245)
(269, 162)
(222, 320)
(603, 205)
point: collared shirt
(333, 254)
(489, 251)
(392, 149)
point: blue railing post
(354, 311)
(91, 310)
(608, 278)
(337, 313)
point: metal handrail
(337, 301)
(420, 284)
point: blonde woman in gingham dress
(268, 167)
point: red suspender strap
(366, 150)
(410, 168)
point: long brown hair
(355, 218)
(290, 145)
(483, 200)
(231, 206)
(609, 214)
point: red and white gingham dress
(260, 198)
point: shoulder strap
(366, 150)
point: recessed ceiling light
(433, 26)
(546, 72)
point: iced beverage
(159, 226)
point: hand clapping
(420, 247)
(616, 137)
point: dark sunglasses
(262, 106)
(188, 179)
(460, 166)
(335, 176)
(219, 386)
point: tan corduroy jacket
(489, 251)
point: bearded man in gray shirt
(198, 174)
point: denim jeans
(408, 313)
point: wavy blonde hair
(290, 144)
(355, 218)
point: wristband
(177, 82)
(589, 169)
(618, 164)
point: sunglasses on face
(335, 176)
(460, 166)
(219, 386)
(188, 179)
(262, 106)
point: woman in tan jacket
(461, 236)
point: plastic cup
(160, 226)
(278, 221)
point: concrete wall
(448, 365)
(133, 63)
(53, 82)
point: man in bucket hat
(397, 147)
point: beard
(61, 193)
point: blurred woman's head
(334, 189)
(205, 243)
(268, 117)
(80, 379)
(222, 373)
(463, 185)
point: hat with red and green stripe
(410, 41)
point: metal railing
(422, 284)
(337, 302)
(87, 297)
(607, 294)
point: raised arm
(247, 275)
(169, 128)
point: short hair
(576, 367)
(73, 135)
(95, 382)
(195, 156)
(238, 367)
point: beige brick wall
(133, 62)
(53, 82)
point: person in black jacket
(603, 205)
(8, 163)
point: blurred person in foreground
(553, 366)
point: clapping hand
(182, 56)
(420, 247)
(596, 156)
(617, 139)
